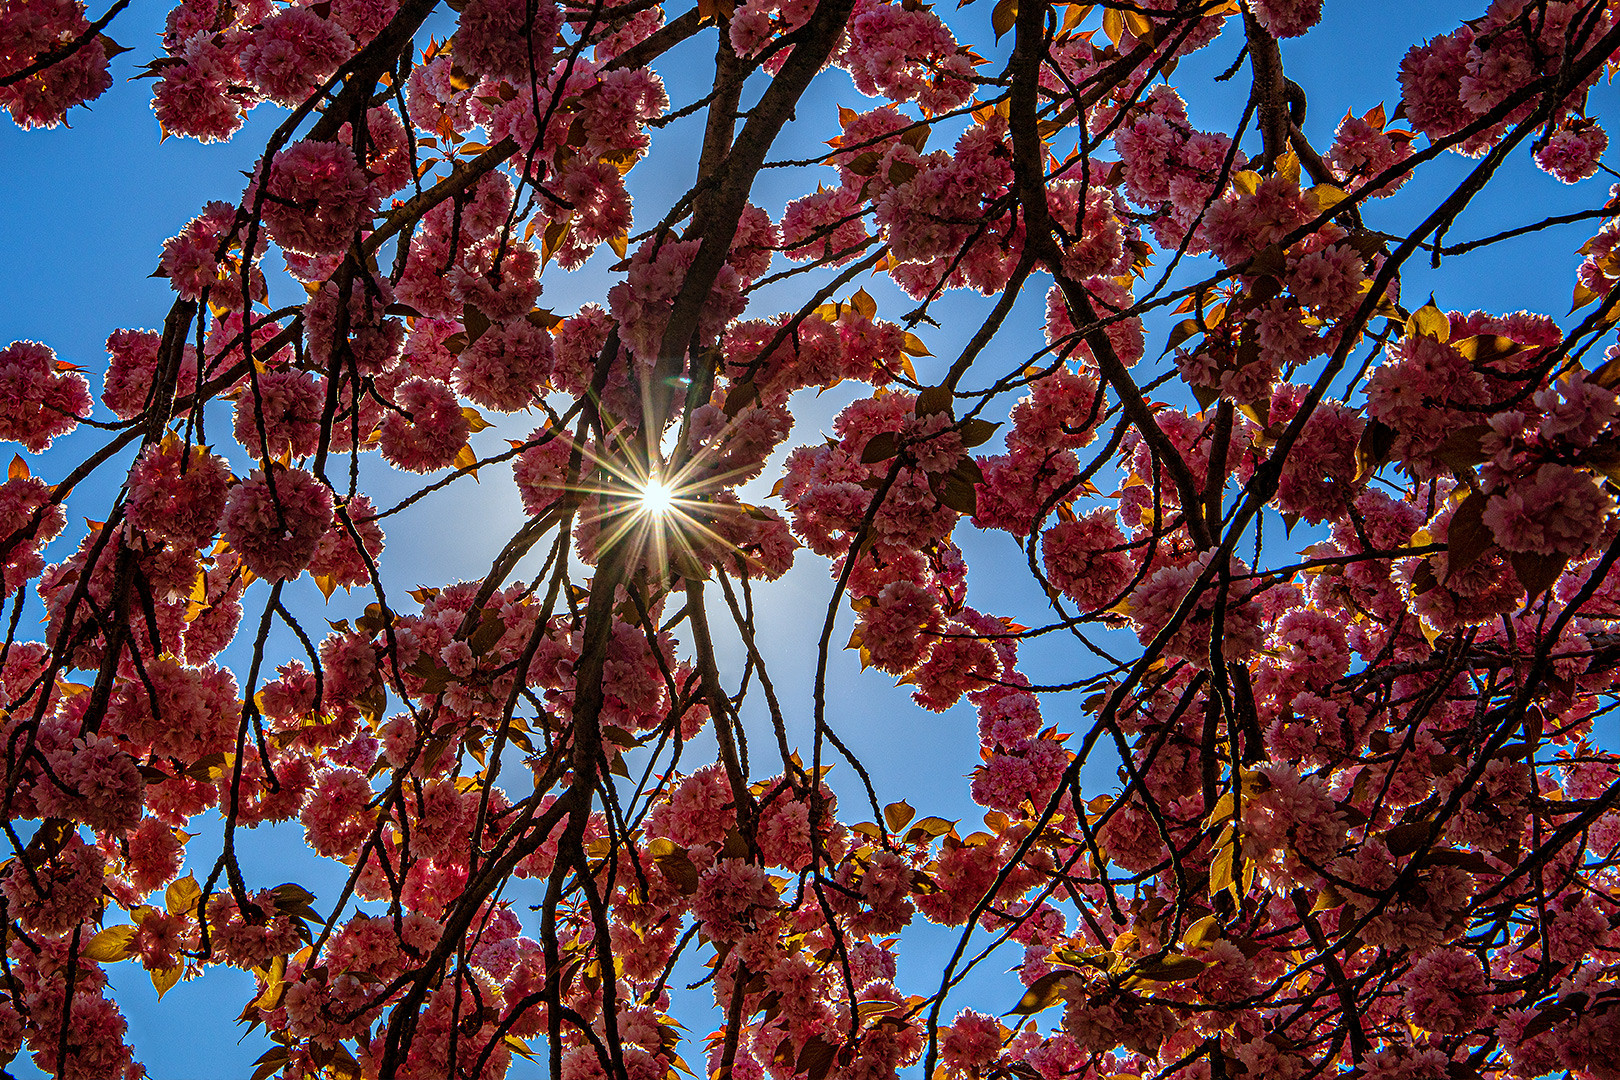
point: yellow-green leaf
(864, 305)
(1327, 196)
(1429, 321)
(1202, 933)
(163, 979)
(1043, 994)
(110, 945)
(1220, 870)
(275, 984)
(181, 897)
(1172, 968)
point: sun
(656, 498)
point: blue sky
(84, 211)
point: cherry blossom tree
(1342, 609)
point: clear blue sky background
(84, 211)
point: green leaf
(475, 321)
(1464, 447)
(1184, 330)
(1377, 440)
(959, 493)
(816, 1059)
(1406, 838)
(678, 866)
(863, 164)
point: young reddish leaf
(1468, 538)
(1536, 571)
(1003, 17)
(880, 447)
(934, 399)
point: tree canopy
(1325, 572)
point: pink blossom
(38, 399)
(733, 898)
(898, 631)
(509, 39)
(1556, 510)
(155, 855)
(507, 367)
(1574, 152)
(196, 97)
(26, 508)
(276, 520)
(1445, 992)
(1086, 559)
(1287, 18)
(429, 429)
(338, 557)
(315, 198)
(292, 53)
(55, 897)
(973, 1041)
(334, 816)
(43, 99)
(177, 493)
(131, 374)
